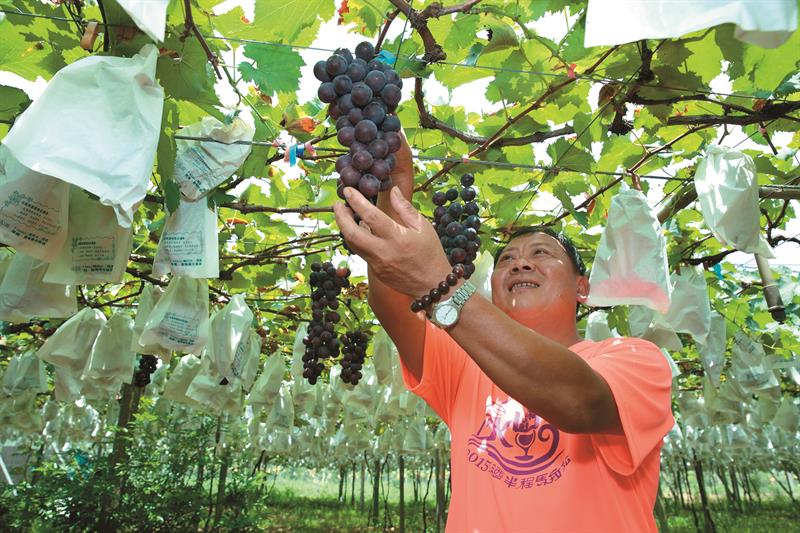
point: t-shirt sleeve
(443, 363)
(641, 382)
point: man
(549, 432)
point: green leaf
(568, 155)
(172, 195)
(165, 153)
(187, 75)
(503, 36)
(13, 102)
(275, 68)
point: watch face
(446, 315)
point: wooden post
(352, 487)
(361, 494)
(708, 521)
(376, 484)
(342, 490)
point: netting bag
(179, 321)
(727, 190)
(33, 209)
(97, 248)
(120, 98)
(188, 245)
(71, 344)
(630, 266)
(23, 294)
(202, 166)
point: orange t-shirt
(512, 471)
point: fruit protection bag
(712, 350)
(416, 437)
(24, 373)
(97, 248)
(188, 246)
(202, 165)
(642, 324)
(382, 357)
(766, 24)
(148, 299)
(111, 360)
(281, 416)
(787, 416)
(102, 115)
(482, 277)
(727, 189)
(70, 346)
(179, 321)
(597, 327)
(690, 310)
(268, 384)
(206, 390)
(246, 366)
(23, 294)
(149, 16)
(229, 338)
(180, 379)
(750, 368)
(630, 266)
(33, 209)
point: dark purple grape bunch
(321, 343)
(363, 94)
(354, 350)
(147, 365)
(457, 223)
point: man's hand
(405, 254)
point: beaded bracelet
(437, 292)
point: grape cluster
(321, 343)
(147, 365)
(457, 224)
(363, 94)
(354, 349)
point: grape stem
(389, 19)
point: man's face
(534, 272)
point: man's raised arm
(391, 308)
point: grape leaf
(274, 68)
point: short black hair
(565, 241)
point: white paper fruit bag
(97, 248)
(147, 300)
(188, 245)
(690, 310)
(179, 321)
(112, 359)
(33, 209)
(727, 189)
(630, 266)
(102, 118)
(71, 344)
(149, 15)
(229, 337)
(24, 373)
(202, 165)
(23, 294)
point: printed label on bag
(92, 254)
(184, 249)
(238, 359)
(180, 329)
(28, 219)
(193, 173)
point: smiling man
(549, 432)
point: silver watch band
(456, 302)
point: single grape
(393, 78)
(375, 80)
(468, 194)
(455, 210)
(345, 53)
(355, 116)
(365, 50)
(470, 234)
(439, 212)
(378, 148)
(460, 241)
(377, 65)
(343, 161)
(334, 111)
(357, 146)
(471, 208)
(391, 160)
(326, 92)
(357, 70)
(454, 228)
(380, 168)
(438, 198)
(369, 185)
(393, 140)
(473, 221)
(336, 65)
(342, 122)
(451, 195)
(346, 136)
(320, 71)
(391, 123)
(361, 94)
(391, 94)
(342, 84)
(458, 255)
(375, 112)
(366, 131)
(467, 180)
(362, 160)
(386, 184)
(345, 103)
(349, 176)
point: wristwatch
(446, 313)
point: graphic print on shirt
(516, 446)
